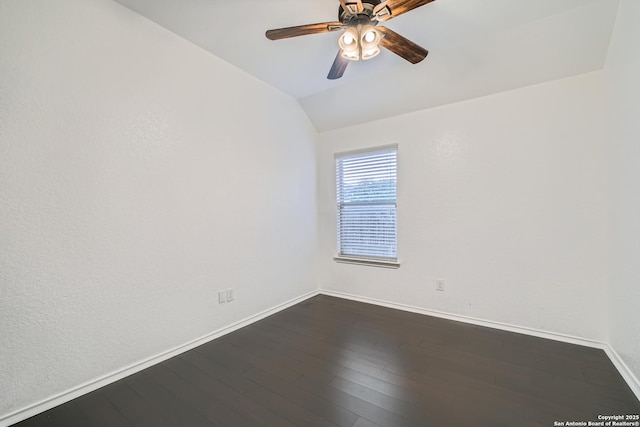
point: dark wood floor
(334, 362)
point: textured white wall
(623, 92)
(138, 176)
(503, 197)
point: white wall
(503, 197)
(623, 95)
(138, 176)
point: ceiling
(476, 47)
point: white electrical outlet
(230, 294)
(440, 285)
(222, 297)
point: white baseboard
(617, 361)
(66, 396)
(624, 370)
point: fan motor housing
(346, 16)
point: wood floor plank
(39, 420)
(208, 405)
(286, 408)
(218, 371)
(363, 422)
(167, 405)
(354, 404)
(100, 411)
(414, 384)
(304, 399)
(216, 351)
(274, 350)
(134, 408)
(388, 388)
(333, 350)
(381, 400)
(248, 354)
(200, 374)
(67, 415)
(330, 362)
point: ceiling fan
(362, 36)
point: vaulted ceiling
(476, 47)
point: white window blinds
(366, 196)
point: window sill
(370, 262)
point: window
(366, 196)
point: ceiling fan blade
(338, 67)
(391, 8)
(303, 30)
(402, 46)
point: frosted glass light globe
(370, 36)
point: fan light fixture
(349, 44)
(369, 42)
(362, 37)
(359, 42)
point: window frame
(365, 259)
